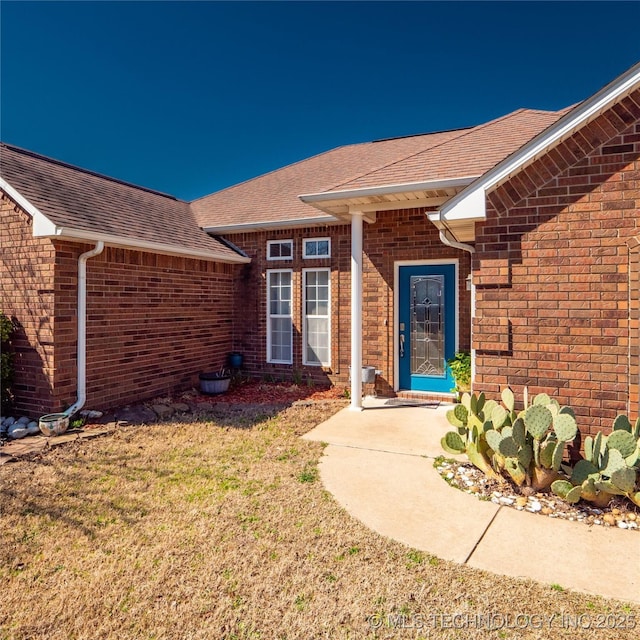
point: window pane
(323, 248)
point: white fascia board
(272, 224)
(134, 243)
(471, 207)
(387, 189)
(458, 207)
(42, 226)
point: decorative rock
(609, 519)
(23, 420)
(17, 431)
(33, 428)
(546, 511)
(506, 501)
(91, 414)
(163, 411)
(180, 406)
(632, 525)
(632, 516)
(535, 506)
(9, 421)
(136, 415)
(521, 501)
(622, 524)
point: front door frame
(396, 305)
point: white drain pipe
(81, 357)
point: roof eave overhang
(470, 203)
(43, 227)
(407, 195)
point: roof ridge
(90, 172)
(463, 133)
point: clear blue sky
(190, 97)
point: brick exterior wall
(557, 273)
(395, 236)
(153, 321)
(27, 296)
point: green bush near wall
(6, 362)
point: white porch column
(356, 310)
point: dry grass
(223, 530)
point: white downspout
(356, 310)
(444, 238)
(82, 328)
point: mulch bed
(257, 392)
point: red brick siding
(563, 229)
(27, 296)
(395, 236)
(153, 323)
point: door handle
(402, 345)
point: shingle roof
(273, 197)
(472, 153)
(78, 199)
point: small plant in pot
(215, 382)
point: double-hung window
(279, 316)
(317, 317)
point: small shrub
(6, 362)
(460, 366)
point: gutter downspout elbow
(82, 328)
(444, 238)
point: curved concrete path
(379, 465)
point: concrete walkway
(379, 465)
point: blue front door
(426, 326)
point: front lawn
(222, 529)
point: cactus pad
(541, 399)
(519, 432)
(624, 479)
(561, 487)
(582, 471)
(546, 453)
(461, 413)
(565, 427)
(499, 416)
(493, 438)
(623, 441)
(508, 447)
(613, 461)
(621, 423)
(558, 453)
(574, 495)
(508, 399)
(537, 420)
(452, 443)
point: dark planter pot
(235, 360)
(214, 383)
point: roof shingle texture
(78, 199)
(273, 197)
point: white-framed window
(279, 316)
(280, 250)
(316, 305)
(316, 248)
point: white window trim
(269, 316)
(304, 318)
(270, 243)
(305, 241)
